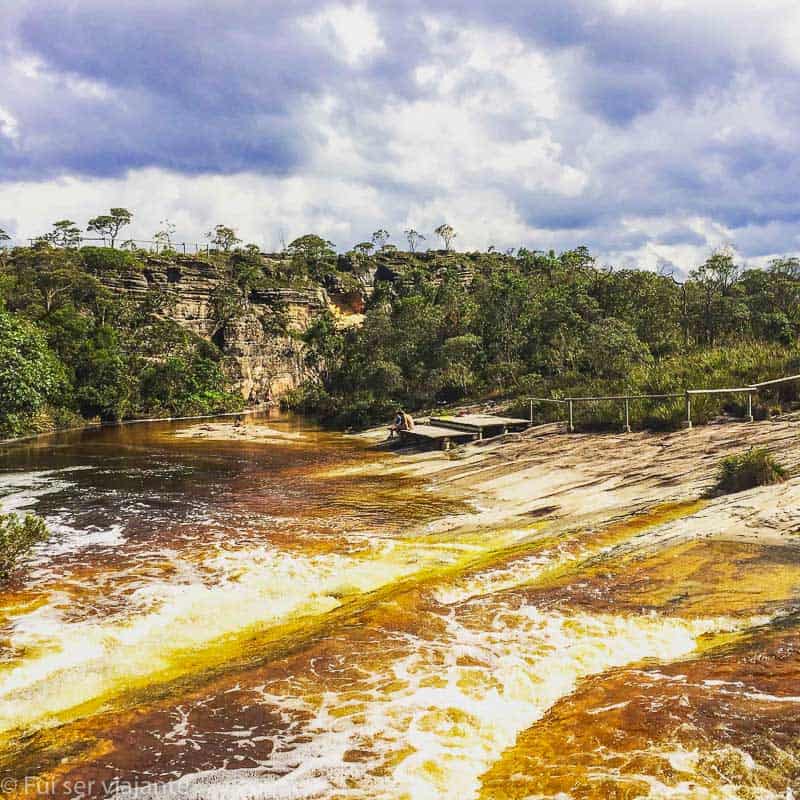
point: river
(283, 619)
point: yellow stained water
(294, 634)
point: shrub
(107, 261)
(741, 471)
(17, 537)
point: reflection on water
(234, 619)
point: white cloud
(351, 32)
(262, 209)
(606, 125)
(9, 126)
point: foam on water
(213, 595)
(22, 490)
(459, 702)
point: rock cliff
(265, 354)
(262, 346)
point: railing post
(571, 426)
(531, 414)
(627, 428)
(688, 422)
(749, 407)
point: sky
(651, 131)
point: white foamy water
(459, 703)
(20, 493)
(22, 490)
(217, 594)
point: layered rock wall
(264, 360)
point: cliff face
(265, 359)
(266, 364)
(264, 352)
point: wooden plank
(480, 422)
(443, 437)
(428, 432)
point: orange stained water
(223, 619)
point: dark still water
(280, 619)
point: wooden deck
(446, 431)
(440, 436)
(482, 424)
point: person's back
(408, 422)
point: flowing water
(224, 619)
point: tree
(163, 236)
(788, 267)
(613, 349)
(247, 268)
(65, 233)
(313, 255)
(4, 238)
(715, 280)
(446, 234)
(57, 276)
(29, 372)
(460, 354)
(223, 237)
(109, 225)
(380, 237)
(360, 256)
(414, 237)
(364, 249)
(227, 304)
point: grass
(731, 366)
(754, 467)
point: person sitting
(402, 422)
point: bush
(17, 537)
(755, 467)
(108, 261)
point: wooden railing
(687, 394)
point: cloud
(350, 32)
(649, 131)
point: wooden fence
(687, 394)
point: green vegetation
(109, 225)
(72, 348)
(17, 537)
(446, 326)
(755, 467)
(439, 326)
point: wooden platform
(437, 435)
(481, 424)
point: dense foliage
(71, 348)
(488, 325)
(438, 326)
(17, 536)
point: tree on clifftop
(360, 255)
(380, 237)
(446, 234)
(163, 237)
(223, 237)
(413, 238)
(312, 255)
(109, 225)
(65, 233)
(363, 248)
(4, 237)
